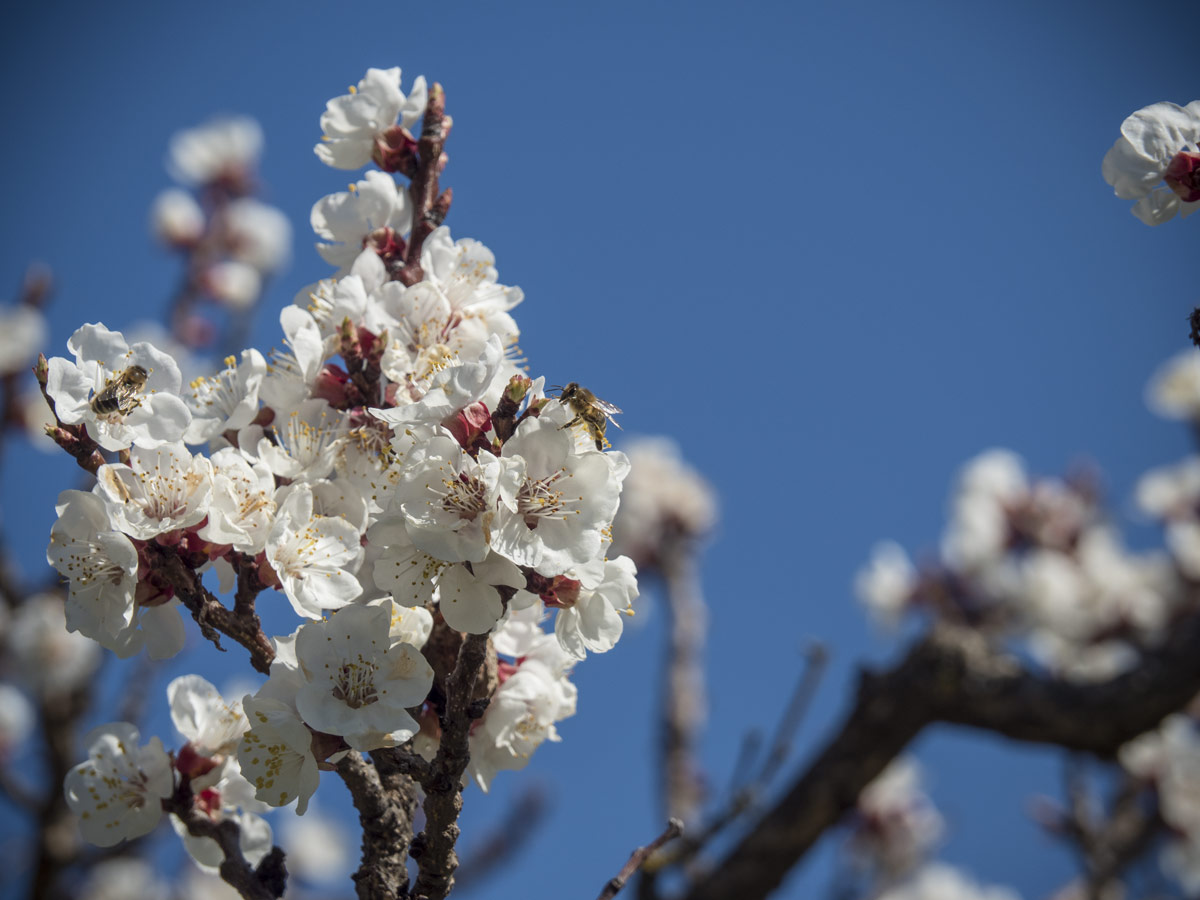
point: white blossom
(561, 513)
(468, 598)
(155, 415)
(1137, 163)
(595, 619)
(276, 756)
(243, 502)
(162, 490)
(234, 283)
(228, 400)
(353, 122)
(523, 712)
(314, 556)
(306, 441)
(116, 794)
(359, 684)
(100, 565)
(373, 209)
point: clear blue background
(835, 249)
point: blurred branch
(951, 675)
(639, 856)
(501, 846)
(744, 797)
(683, 688)
(1109, 842)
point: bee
(121, 394)
(594, 413)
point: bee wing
(607, 408)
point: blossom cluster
(234, 240)
(392, 471)
(1037, 559)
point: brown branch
(683, 689)
(385, 810)
(953, 676)
(214, 618)
(429, 207)
(639, 856)
(264, 882)
(434, 847)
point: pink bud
(468, 425)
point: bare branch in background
(638, 858)
(952, 675)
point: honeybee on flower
(594, 413)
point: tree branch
(385, 807)
(264, 882)
(214, 618)
(951, 675)
(639, 856)
(434, 847)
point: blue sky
(834, 249)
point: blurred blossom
(317, 847)
(938, 881)
(1158, 144)
(988, 486)
(223, 149)
(116, 792)
(665, 499)
(1174, 391)
(258, 234)
(16, 718)
(176, 218)
(896, 825)
(22, 335)
(35, 416)
(199, 885)
(236, 284)
(50, 658)
(1169, 758)
(125, 878)
(886, 584)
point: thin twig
(638, 857)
